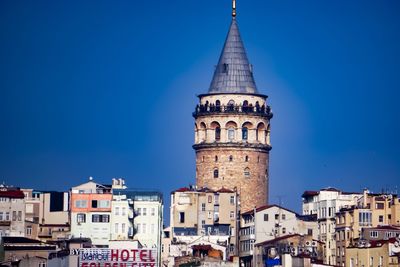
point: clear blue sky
(107, 88)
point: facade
(325, 203)
(232, 128)
(54, 216)
(292, 250)
(90, 212)
(371, 219)
(32, 210)
(375, 253)
(12, 211)
(203, 221)
(271, 222)
(138, 215)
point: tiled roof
(233, 73)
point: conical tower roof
(233, 73)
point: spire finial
(233, 8)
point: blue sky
(107, 88)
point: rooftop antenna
(233, 8)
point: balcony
(264, 111)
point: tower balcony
(257, 146)
(204, 110)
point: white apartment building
(271, 222)
(325, 203)
(12, 211)
(121, 218)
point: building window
(19, 216)
(230, 158)
(246, 158)
(209, 215)
(14, 215)
(309, 232)
(232, 200)
(216, 174)
(144, 228)
(246, 173)
(144, 212)
(80, 203)
(123, 228)
(276, 216)
(381, 218)
(245, 133)
(380, 206)
(283, 230)
(231, 134)
(94, 203)
(203, 222)
(181, 217)
(116, 210)
(232, 215)
(139, 211)
(152, 228)
(100, 218)
(139, 228)
(216, 158)
(373, 234)
(209, 199)
(153, 211)
(7, 216)
(42, 264)
(81, 218)
(1, 215)
(103, 204)
(283, 216)
(123, 211)
(266, 217)
(29, 230)
(203, 206)
(217, 133)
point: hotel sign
(107, 257)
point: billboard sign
(107, 257)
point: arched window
(218, 106)
(246, 173)
(231, 105)
(245, 133)
(245, 106)
(217, 133)
(246, 158)
(230, 158)
(231, 134)
(216, 173)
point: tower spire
(233, 8)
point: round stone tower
(232, 128)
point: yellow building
(373, 254)
(371, 210)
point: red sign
(106, 257)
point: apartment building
(325, 203)
(91, 212)
(271, 222)
(12, 211)
(204, 220)
(369, 219)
